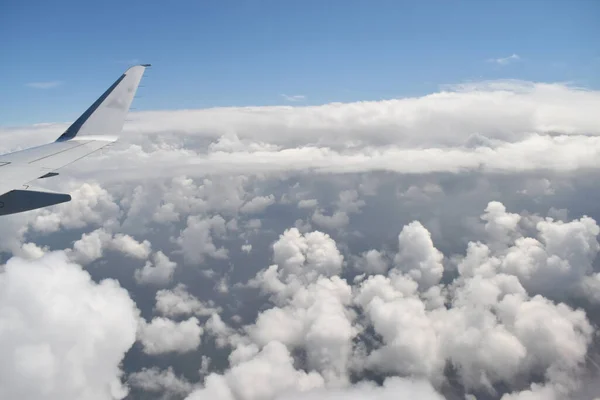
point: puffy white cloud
(500, 225)
(163, 335)
(160, 272)
(563, 255)
(337, 220)
(392, 389)
(154, 380)
(91, 246)
(418, 256)
(263, 376)
(299, 259)
(349, 202)
(178, 301)
(196, 240)
(129, 246)
(316, 319)
(308, 203)
(411, 345)
(63, 335)
(590, 287)
(494, 331)
(257, 204)
(90, 204)
(30, 251)
(372, 262)
(490, 140)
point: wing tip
(134, 67)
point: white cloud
(316, 319)
(257, 204)
(163, 335)
(451, 154)
(129, 246)
(91, 246)
(160, 272)
(300, 258)
(196, 241)
(372, 262)
(178, 302)
(154, 380)
(337, 220)
(90, 204)
(418, 257)
(308, 203)
(263, 376)
(31, 251)
(44, 85)
(294, 98)
(392, 389)
(63, 335)
(495, 126)
(505, 60)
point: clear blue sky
(227, 53)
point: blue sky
(59, 56)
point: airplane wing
(96, 128)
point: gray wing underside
(96, 128)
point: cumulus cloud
(257, 204)
(63, 335)
(301, 257)
(160, 272)
(162, 335)
(91, 246)
(164, 382)
(262, 376)
(308, 203)
(418, 257)
(392, 388)
(196, 240)
(488, 323)
(446, 242)
(372, 262)
(90, 204)
(177, 302)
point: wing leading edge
(97, 127)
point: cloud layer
(443, 246)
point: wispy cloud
(505, 60)
(294, 98)
(44, 85)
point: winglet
(106, 116)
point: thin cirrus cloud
(44, 85)
(505, 60)
(294, 98)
